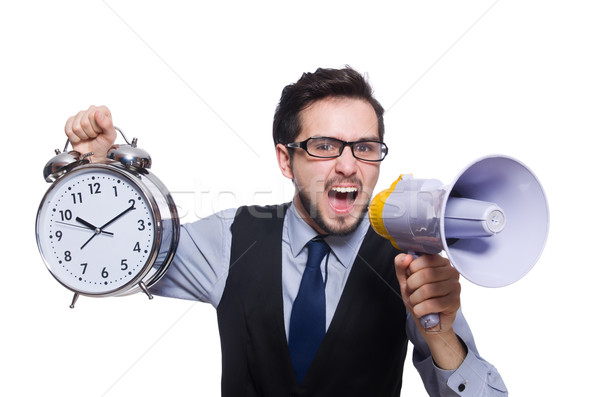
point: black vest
(364, 349)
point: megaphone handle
(428, 321)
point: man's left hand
(429, 284)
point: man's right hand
(92, 130)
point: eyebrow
(375, 138)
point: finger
(447, 304)
(86, 124)
(431, 275)
(77, 128)
(434, 291)
(74, 139)
(428, 261)
(92, 120)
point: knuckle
(430, 274)
(73, 138)
(424, 308)
(412, 283)
(413, 300)
(429, 291)
(458, 287)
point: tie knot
(317, 249)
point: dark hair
(311, 87)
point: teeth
(344, 189)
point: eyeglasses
(328, 148)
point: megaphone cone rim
(449, 249)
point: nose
(346, 164)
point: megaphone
(492, 220)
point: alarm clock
(109, 228)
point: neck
(306, 217)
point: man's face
(333, 194)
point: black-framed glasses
(328, 148)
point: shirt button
(462, 387)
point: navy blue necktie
(307, 321)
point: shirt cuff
(475, 377)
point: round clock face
(95, 230)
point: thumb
(402, 262)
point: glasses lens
(369, 150)
(323, 147)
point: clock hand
(90, 239)
(89, 225)
(117, 217)
(86, 223)
(81, 227)
(99, 230)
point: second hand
(83, 227)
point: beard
(339, 226)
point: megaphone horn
(492, 220)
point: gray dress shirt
(201, 265)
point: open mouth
(342, 198)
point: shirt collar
(343, 247)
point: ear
(284, 160)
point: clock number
(58, 235)
(137, 248)
(94, 188)
(68, 256)
(123, 264)
(142, 225)
(132, 202)
(76, 198)
(84, 267)
(65, 215)
(104, 273)
(115, 189)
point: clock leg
(145, 289)
(72, 306)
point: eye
(364, 147)
(324, 146)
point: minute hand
(117, 217)
(99, 230)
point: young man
(343, 328)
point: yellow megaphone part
(376, 212)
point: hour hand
(89, 225)
(86, 223)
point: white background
(197, 83)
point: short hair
(311, 87)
